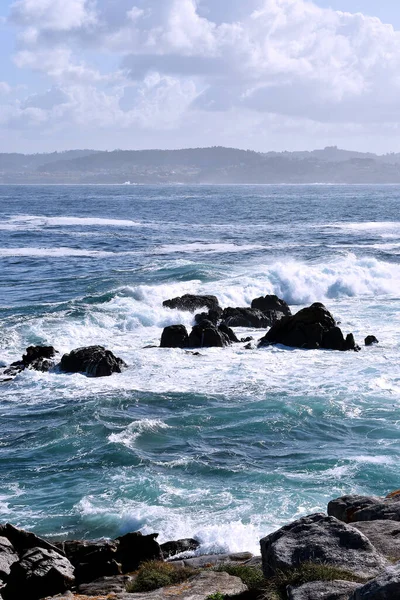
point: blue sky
(260, 74)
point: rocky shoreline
(350, 553)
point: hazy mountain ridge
(201, 165)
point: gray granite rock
(365, 508)
(106, 585)
(8, 556)
(322, 540)
(385, 587)
(323, 590)
(209, 560)
(384, 535)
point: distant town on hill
(216, 165)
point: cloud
(142, 65)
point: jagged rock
(385, 587)
(245, 317)
(207, 335)
(191, 302)
(199, 587)
(311, 327)
(322, 590)
(135, 548)
(39, 573)
(177, 547)
(370, 340)
(324, 540)
(25, 540)
(223, 328)
(92, 560)
(8, 556)
(37, 358)
(174, 336)
(271, 303)
(95, 361)
(384, 535)
(365, 508)
(212, 315)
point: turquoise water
(226, 446)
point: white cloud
(146, 65)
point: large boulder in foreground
(174, 336)
(39, 573)
(312, 327)
(366, 508)
(323, 590)
(322, 540)
(135, 548)
(384, 587)
(191, 302)
(95, 361)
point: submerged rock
(370, 340)
(365, 508)
(95, 361)
(322, 540)
(191, 302)
(312, 327)
(174, 336)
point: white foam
(129, 435)
(30, 252)
(33, 222)
(206, 248)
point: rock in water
(40, 573)
(272, 304)
(207, 335)
(177, 547)
(246, 317)
(135, 548)
(322, 540)
(174, 336)
(370, 340)
(190, 302)
(39, 358)
(95, 361)
(311, 327)
(385, 587)
(365, 508)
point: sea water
(226, 446)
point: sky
(255, 74)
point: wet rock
(199, 587)
(322, 540)
(245, 317)
(370, 340)
(92, 560)
(191, 302)
(40, 573)
(8, 556)
(39, 358)
(365, 508)
(207, 335)
(271, 303)
(312, 327)
(135, 548)
(385, 587)
(212, 315)
(25, 540)
(94, 361)
(323, 590)
(223, 328)
(384, 535)
(174, 336)
(177, 547)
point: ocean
(226, 446)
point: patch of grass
(251, 576)
(275, 588)
(216, 596)
(155, 574)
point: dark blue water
(226, 446)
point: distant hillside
(200, 165)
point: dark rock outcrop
(272, 304)
(323, 540)
(212, 315)
(94, 361)
(92, 560)
(207, 335)
(135, 548)
(246, 317)
(191, 302)
(39, 573)
(174, 336)
(370, 340)
(384, 587)
(177, 547)
(312, 327)
(323, 590)
(37, 358)
(25, 540)
(223, 328)
(8, 556)
(365, 508)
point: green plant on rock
(275, 588)
(216, 596)
(155, 574)
(251, 576)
